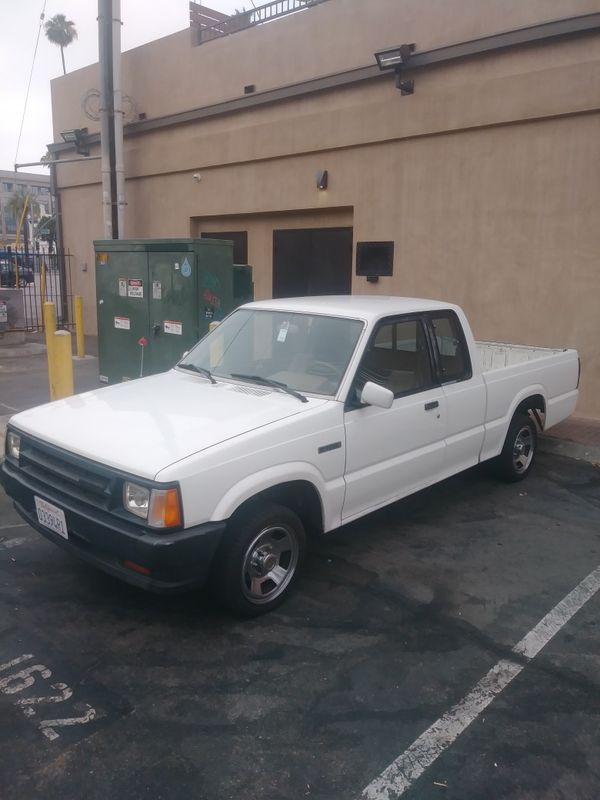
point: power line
(37, 41)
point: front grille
(69, 474)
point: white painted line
(8, 543)
(404, 771)
(10, 408)
(16, 525)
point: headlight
(161, 507)
(13, 446)
(136, 499)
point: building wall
(486, 178)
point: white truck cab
(292, 415)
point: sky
(143, 21)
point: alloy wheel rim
(523, 450)
(269, 564)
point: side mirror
(375, 395)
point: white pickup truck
(291, 416)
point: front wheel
(515, 460)
(259, 560)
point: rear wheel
(515, 461)
(259, 560)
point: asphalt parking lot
(106, 691)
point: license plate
(51, 517)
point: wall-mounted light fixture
(395, 58)
(77, 136)
(322, 179)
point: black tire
(261, 539)
(518, 453)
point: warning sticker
(122, 287)
(169, 326)
(156, 290)
(283, 332)
(123, 323)
(135, 287)
(3, 311)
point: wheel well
(536, 405)
(299, 496)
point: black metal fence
(42, 277)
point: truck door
(393, 452)
(464, 390)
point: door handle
(430, 406)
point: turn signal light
(165, 509)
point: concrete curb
(22, 350)
(564, 447)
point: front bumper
(176, 561)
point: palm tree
(19, 201)
(60, 31)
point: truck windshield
(306, 352)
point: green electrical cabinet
(157, 297)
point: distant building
(38, 187)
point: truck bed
(497, 355)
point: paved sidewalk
(576, 437)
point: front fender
(331, 494)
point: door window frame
(352, 404)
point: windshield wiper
(200, 370)
(269, 382)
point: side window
(453, 355)
(397, 358)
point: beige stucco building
(486, 178)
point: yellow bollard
(61, 368)
(49, 330)
(79, 327)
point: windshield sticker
(3, 311)
(122, 323)
(283, 332)
(170, 326)
(135, 288)
(156, 290)
(122, 287)
(186, 269)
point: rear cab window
(451, 350)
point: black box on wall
(374, 259)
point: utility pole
(111, 118)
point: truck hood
(145, 425)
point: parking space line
(8, 543)
(400, 775)
(11, 527)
